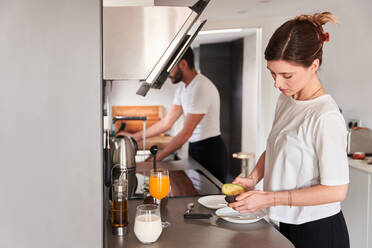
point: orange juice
(159, 186)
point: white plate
(213, 201)
(247, 217)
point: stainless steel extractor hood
(145, 43)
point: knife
(196, 216)
(208, 216)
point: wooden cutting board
(154, 114)
(160, 141)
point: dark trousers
(330, 232)
(211, 153)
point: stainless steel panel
(165, 58)
(135, 38)
(160, 74)
(172, 56)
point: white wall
(346, 71)
(50, 128)
(124, 93)
(250, 93)
(347, 59)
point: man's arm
(161, 126)
(191, 121)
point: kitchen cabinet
(357, 207)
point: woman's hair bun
(318, 19)
(300, 39)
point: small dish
(236, 217)
(213, 201)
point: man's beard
(177, 77)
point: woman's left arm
(253, 201)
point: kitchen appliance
(359, 140)
(145, 43)
(123, 152)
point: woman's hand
(252, 201)
(247, 183)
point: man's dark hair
(189, 57)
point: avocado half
(232, 191)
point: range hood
(145, 43)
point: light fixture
(221, 31)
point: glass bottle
(120, 205)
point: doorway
(229, 58)
(222, 63)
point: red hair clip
(325, 37)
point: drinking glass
(147, 224)
(159, 186)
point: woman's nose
(278, 82)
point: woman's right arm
(256, 175)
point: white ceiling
(224, 36)
(229, 10)
(220, 10)
(128, 3)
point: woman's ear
(314, 66)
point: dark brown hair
(189, 57)
(300, 40)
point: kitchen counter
(360, 165)
(196, 233)
(357, 207)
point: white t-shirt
(306, 147)
(200, 97)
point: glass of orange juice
(159, 186)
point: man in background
(198, 99)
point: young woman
(305, 167)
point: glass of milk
(147, 225)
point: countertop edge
(360, 165)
